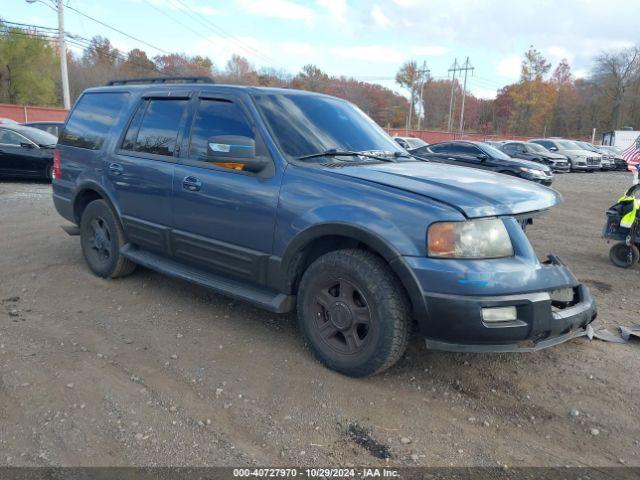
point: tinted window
(440, 148)
(7, 137)
(158, 131)
(303, 124)
(91, 119)
(216, 117)
(545, 143)
(494, 152)
(509, 148)
(465, 149)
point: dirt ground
(148, 370)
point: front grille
(593, 161)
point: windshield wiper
(344, 153)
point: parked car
(25, 152)
(54, 128)
(296, 200)
(536, 153)
(616, 153)
(415, 146)
(485, 157)
(581, 159)
(608, 162)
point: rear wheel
(623, 255)
(353, 312)
(101, 237)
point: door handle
(116, 169)
(192, 184)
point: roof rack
(143, 80)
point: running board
(258, 296)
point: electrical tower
(455, 68)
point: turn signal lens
(442, 240)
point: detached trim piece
(508, 348)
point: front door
(224, 218)
(18, 155)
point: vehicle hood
(474, 192)
(586, 153)
(527, 164)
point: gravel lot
(147, 370)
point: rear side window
(216, 117)
(92, 118)
(154, 128)
(465, 149)
(441, 148)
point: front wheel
(101, 237)
(353, 312)
(623, 255)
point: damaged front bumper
(539, 323)
(550, 306)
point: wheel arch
(315, 241)
(86, 193)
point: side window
(156, 130)
(509, 147)
(91, 119)
(467, 150)
(7, 137)
(441, 148)
(216, 117)
(546, 144)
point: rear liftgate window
(92, 118)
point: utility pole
(424, 74)
(63, 58)
(454, 69)
(466, 67)
(66, 98)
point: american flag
(632, 154)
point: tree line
(543, 101)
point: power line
(208, 24)
(118, 30)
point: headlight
(533, 171)
(486, 238)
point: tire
(623, 255)
(101, 237)
(353, 313)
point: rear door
(140, 172)
(224, 218)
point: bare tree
(615, 71)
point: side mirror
(27, 145)
(553, 149)
(482, 157)
(235, 149)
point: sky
(367, 40)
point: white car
(580, 159)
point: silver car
(581, 159)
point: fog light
(499, 314)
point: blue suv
(296, 200)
